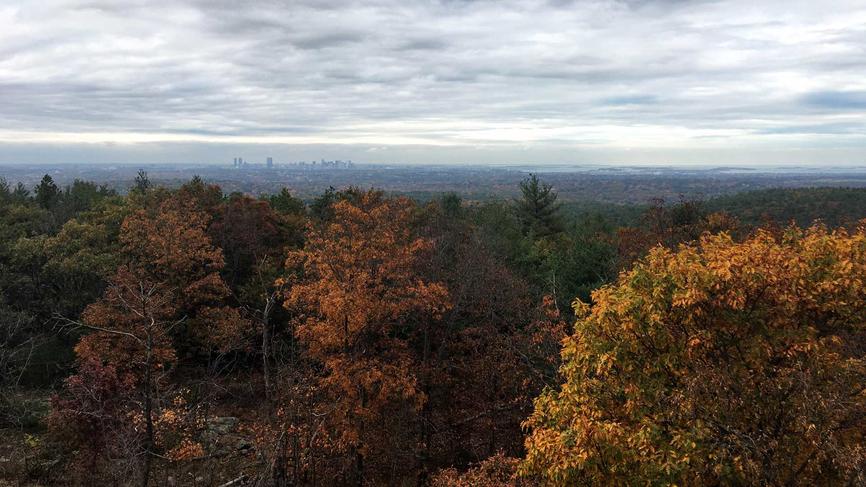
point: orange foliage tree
(363, 313)
(170, 245)
(719, 363)
(169, 280)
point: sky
(446, 82)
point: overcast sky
(449, 81)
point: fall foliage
(362, 311)
(720, 362)
(190, 337)
(170, 278)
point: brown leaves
(171, 241)
(360, 302)
(359, 283)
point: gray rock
(222, 425)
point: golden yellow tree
(722, 362)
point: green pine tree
(537, 209)
(47, 193)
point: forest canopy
(187, 336)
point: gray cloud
(837, 100)
(544, 79)
(630, 100)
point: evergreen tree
(142, 182)
(21, 194)
(286, 204)
(5, 192)
(47, 193)
(451, 204)
(537, 209)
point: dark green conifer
(537, 209)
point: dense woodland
(191, 337)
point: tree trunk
(426, 413)
(148, 408)
(266, 338)
(359, 458)
(280, 475)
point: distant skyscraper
(270, 162)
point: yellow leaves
(604, 362)
(688, 297)
(705, 347)
(581, 309)
(295, 260)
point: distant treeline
(803, 206)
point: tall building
(270, 162)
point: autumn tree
(170, 245)
(131, 348)
(363, 312)
(93, 414)
(495, 471)
(166, 293)
(719, 363)
(249, 230)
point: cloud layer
(435, 81)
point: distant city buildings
(323, 164)
(240, 163)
